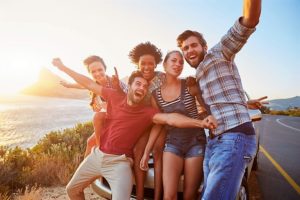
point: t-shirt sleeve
(108, 93)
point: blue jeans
(226, 158)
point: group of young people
(157, 112)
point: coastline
(27, 119)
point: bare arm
(71, 85)
(154, 131)
(181, 121)
(152, 138)
(79, 78)
(251, 13)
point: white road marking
(281, 123)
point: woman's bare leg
(193, 172)
(138, 173)
(158, 164)
(172, 168)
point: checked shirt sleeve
(235, 39)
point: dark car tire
(255, 164)
(243, 193)
(255, 161)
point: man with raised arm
(127, 119)
(232, 145)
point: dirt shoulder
(59, 193)
(254, 191)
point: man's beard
(200, 59)
(133, 100)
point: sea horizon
(26, 119)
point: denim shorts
(185, 147)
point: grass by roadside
(51, 162)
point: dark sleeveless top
(185, 104)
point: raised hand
(57, 63)
(116, 80)
(257, 103)
(65, 84)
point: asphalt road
(278, 172)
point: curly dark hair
(145, 49)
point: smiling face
(193, 51)
(147, 65)
(97, 71)
(137, 91)
(173, 64)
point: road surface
(279, 157)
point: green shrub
(51, 162)
(290, 112)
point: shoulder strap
(155, 95)
(182, 92)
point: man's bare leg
(98, 122)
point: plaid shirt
(220, 82)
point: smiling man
(233, 144)
(127, 119)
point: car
(101, 187)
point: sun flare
(17, 74)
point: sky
(32, 32)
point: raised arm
(237, 36)
(71, 85)
(251, 13)
(79, 78)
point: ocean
(24, 120)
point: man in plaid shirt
(232, 145)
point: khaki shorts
(116, 169)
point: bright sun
(17, 73)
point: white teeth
(139, 93)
